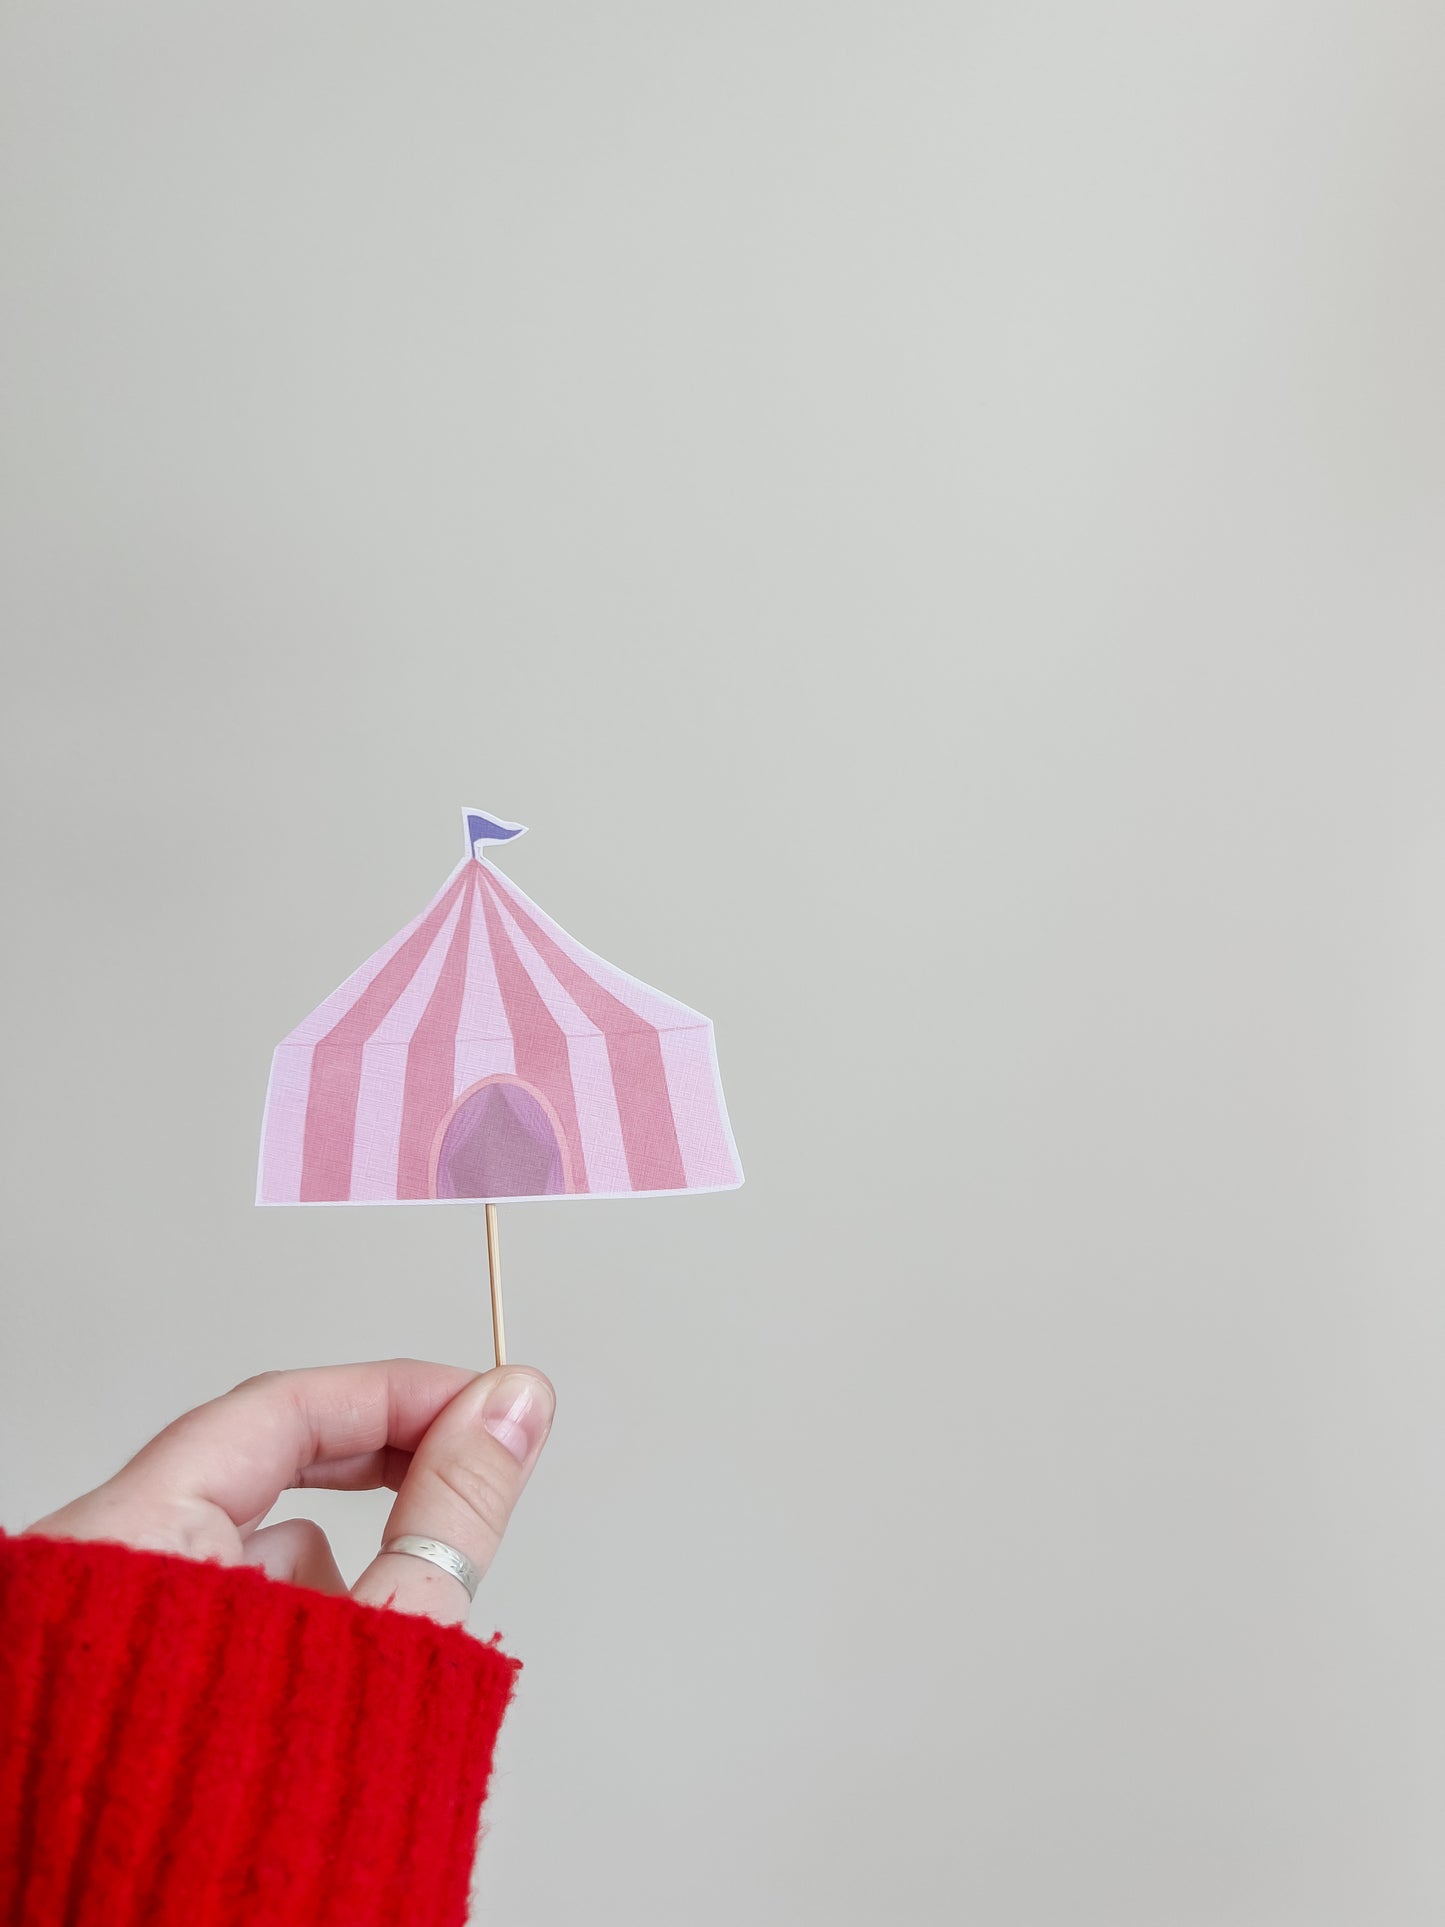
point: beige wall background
(932, 513)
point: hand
(456, 1449)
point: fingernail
(517, 1411)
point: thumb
(464, 1479)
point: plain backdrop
(933, 514)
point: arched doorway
(500, 1141)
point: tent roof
(492, 955)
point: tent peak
(478, 829)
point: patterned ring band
(440, 1554)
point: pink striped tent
(484, 1053)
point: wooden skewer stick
(494, 1272)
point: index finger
(242, 1450)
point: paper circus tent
(484, 1053)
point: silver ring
(440, 1554)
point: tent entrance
(499, 1141)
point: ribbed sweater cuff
(194, 1743)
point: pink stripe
(377, 1142)
(597, 1117)
(285, 1125)
(431, 1065)
(697, 1104)
(649, 1131)
(570, 1018)
(537, 1038)
(378, 1123)
(484, 1040)
(313, 1028)
(483, 1015)
(651, 1005)
(336, 1063)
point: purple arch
(500, 1141)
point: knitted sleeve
(192, 1743)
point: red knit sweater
(199, 1744)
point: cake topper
(485, 1054)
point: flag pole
(494, 1273)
